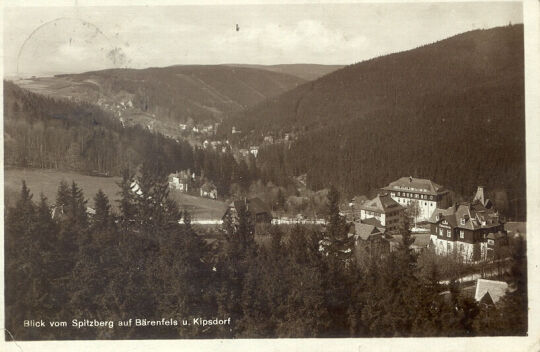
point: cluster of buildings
(224, 147)
(473, 230)
(187, 182)
(259, 211)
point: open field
(47, 181)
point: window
(461, 234)
(448, 233)
(425, 203)
(441, 232)
(431, 197)
(462, 221)
(490, 242)
(416, 196)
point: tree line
(141, 262)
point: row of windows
(449, 233)
(412, 195)
(408, 201)
(461, 247)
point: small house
(208, 190)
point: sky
(50, 40)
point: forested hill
(452, 111)
(403, 81)
(179, 94)
(49, 133)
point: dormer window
(462, 221)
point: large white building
(425, 193)
(385, 210)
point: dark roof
(418, 185)
(365, 231)
(372, 221)
(382, 204)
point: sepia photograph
(265, 171)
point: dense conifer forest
(141, 263)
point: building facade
(423, 194)
(208, 190)
(181, 180)
(467, 229)
(385, 210)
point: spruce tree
(102, 218)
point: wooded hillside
(452, 111)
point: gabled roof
(372, 221)
(383, 203)
(365, 231)
(418, 185)
(467, 215)
(496, 289)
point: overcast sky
(43, 41)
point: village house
(243, 153)
(370, 238)
(258, 210)
(384, 210)
(208, 190)
(469, 229)
(426, 194)
(254, 150)
(135, 188)
(180, 181)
